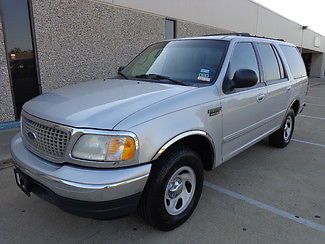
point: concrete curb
(9, 125)
(4, 164)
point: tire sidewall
(292, 115)
(156, 196)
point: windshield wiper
(160, 77)
(123, 75)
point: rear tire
(282, 137)
(173, 189)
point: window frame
(35, 56)
(259, 84)
(174, 28)
(280, 62)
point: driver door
(244, 109)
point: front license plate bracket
(22, 181)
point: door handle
(288, 88)
(260, 97)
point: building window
(19, 43)
(170, 29)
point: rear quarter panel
(299, 85)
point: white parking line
(315, 97)
(308, 142)
(266, 207)
(317, 84)
(313, 104)
(311, 117)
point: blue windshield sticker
(204, 75)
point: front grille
(49, 141)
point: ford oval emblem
(31, 136)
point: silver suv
(142, 140)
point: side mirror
(244, 78)
(120, 69)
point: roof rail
(230, 34)
(244, 34)
(265, 37)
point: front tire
(173, 189)
(282, 137)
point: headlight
(104, 148)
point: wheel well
(201, 145)
(295, 106)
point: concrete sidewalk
(5, 139)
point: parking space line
(314, 97)
(266, 207)
(317, 84)
(313, 104)
(308, 142)
(311, 117)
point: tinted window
(269, 62)
(294, 60)
(170, 30)
(190, 61)
(20, 51)
(243, 57)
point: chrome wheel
(288, 126)
(180, 190)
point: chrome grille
(43, 139)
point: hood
(99, 104)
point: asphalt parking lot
(263, 195)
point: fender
(181, 136)
(293, 101)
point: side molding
(181, 136)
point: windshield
(187, 62)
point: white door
(243, 109)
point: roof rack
(244, 34)
(230, 34)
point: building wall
(232, 15)
(188, 29)
(80, 40)
(6, 105)
(84, 40)
(318, 65)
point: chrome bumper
(80, 183)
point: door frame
(259, 86)
(33, 38)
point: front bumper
(80, 183)
(99, 210)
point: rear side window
(269, 62)
(243, 57)
(294, 60)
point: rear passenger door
(243, 109)
(277, 83)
